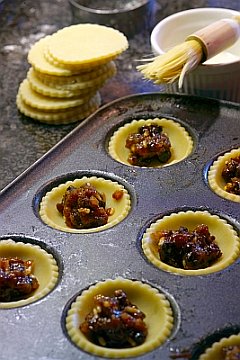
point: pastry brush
(197, 48)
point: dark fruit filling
(147, 144)
(231, 352)
(231, 174)
(114, 322)
(16, 279)
(186, 249)
(84, 207)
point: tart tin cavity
(159, 317)
(215, 351)
(225, 235)
(215, 179)
(52, 217)
(45, 269)
(205, 343)
(181, 141)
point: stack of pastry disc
(68, 68)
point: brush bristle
(237, 18)
(168, 67)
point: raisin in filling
(147, 144)
(188, 250)
(231, 352)
(84, 207)
(16, 279)
(231, 174)
(115, 322)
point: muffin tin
(204, 308)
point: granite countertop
(22, 140)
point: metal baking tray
(204, 307)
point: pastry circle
(156, 307)
(38, 61)
(38, 58)
(91, 75)
(176, 133)
(63, 116)
(45, 269)
(68, 89)
(46, 103)
(61, 91)
(215, 179)
(86, 44)
(51, 216)
(225, 235)
(215, 351)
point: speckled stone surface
(22, 140)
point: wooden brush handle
(217, 37)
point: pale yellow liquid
(224, 57)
